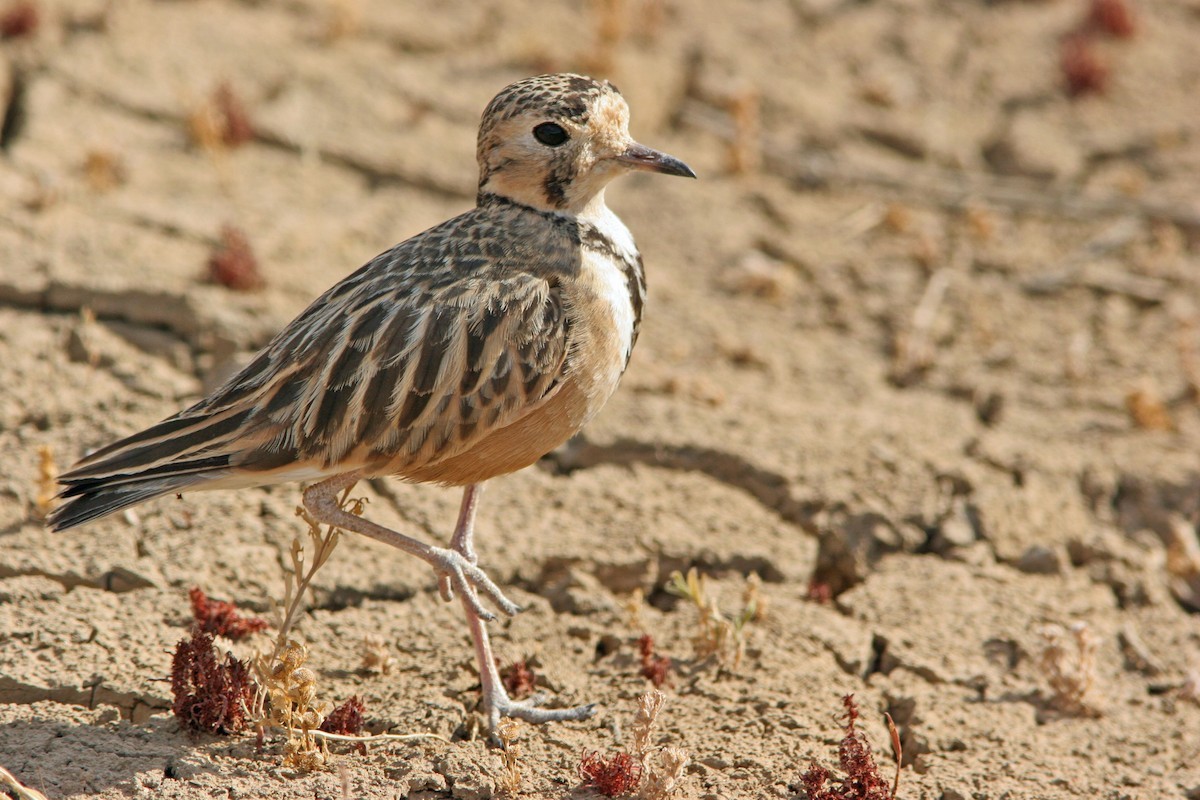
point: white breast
(609, 279)
(606, 280)
(609, 311)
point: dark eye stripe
(550, 134)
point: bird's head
(555, 141)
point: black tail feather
(74, 487)
(165, 444)
(87, 503)
(178, 453)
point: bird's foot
(530, 710)
(457, 572)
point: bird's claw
(530, 711)
(458, 573)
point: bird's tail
(178, 453)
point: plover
(469, 351)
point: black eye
(548, 133)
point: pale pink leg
(496, 702)
(456, 571)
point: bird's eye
(550, 134)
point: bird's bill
(638, 156)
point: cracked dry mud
(921, 161)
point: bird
(464, 353)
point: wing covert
(418, 381)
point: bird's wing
(420, 353)
(416, 381)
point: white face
(554, 141)
(556, 161)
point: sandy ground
(929, 370)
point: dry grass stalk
(292, 691)
(744, 155)
(204, 127)
(662, 768)
(509, 783)
(299, 577)
(665, 774)
(633, 607)
(654, 772)
(752, 598)
(897, 751)
(104, 170)
(1147, 409)
(652, 15)
(376, 656)
(609, 17)
(649, 707)
(376, 738)
(1190, 690)
(47, 480)
(914, 349)
(1078, 350)
(345, 19)
(981, 223)
(1069, 663)
(1183, 561)
(19, 790)
(719, 635)
(287, 696)
(1188, 346)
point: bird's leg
(496, 702)
(464, 531)
(456, 571)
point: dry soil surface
(922, 351)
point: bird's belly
(512, 447)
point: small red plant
(862, 780)
(819, 592)
(655, 668)
(610, 775)
(212, 694)
(347, 720)
(221, 618)
(519, 679)
(1114, 17)
(19, 19)
(237, 129)
(1083, 69)
(232, 264)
